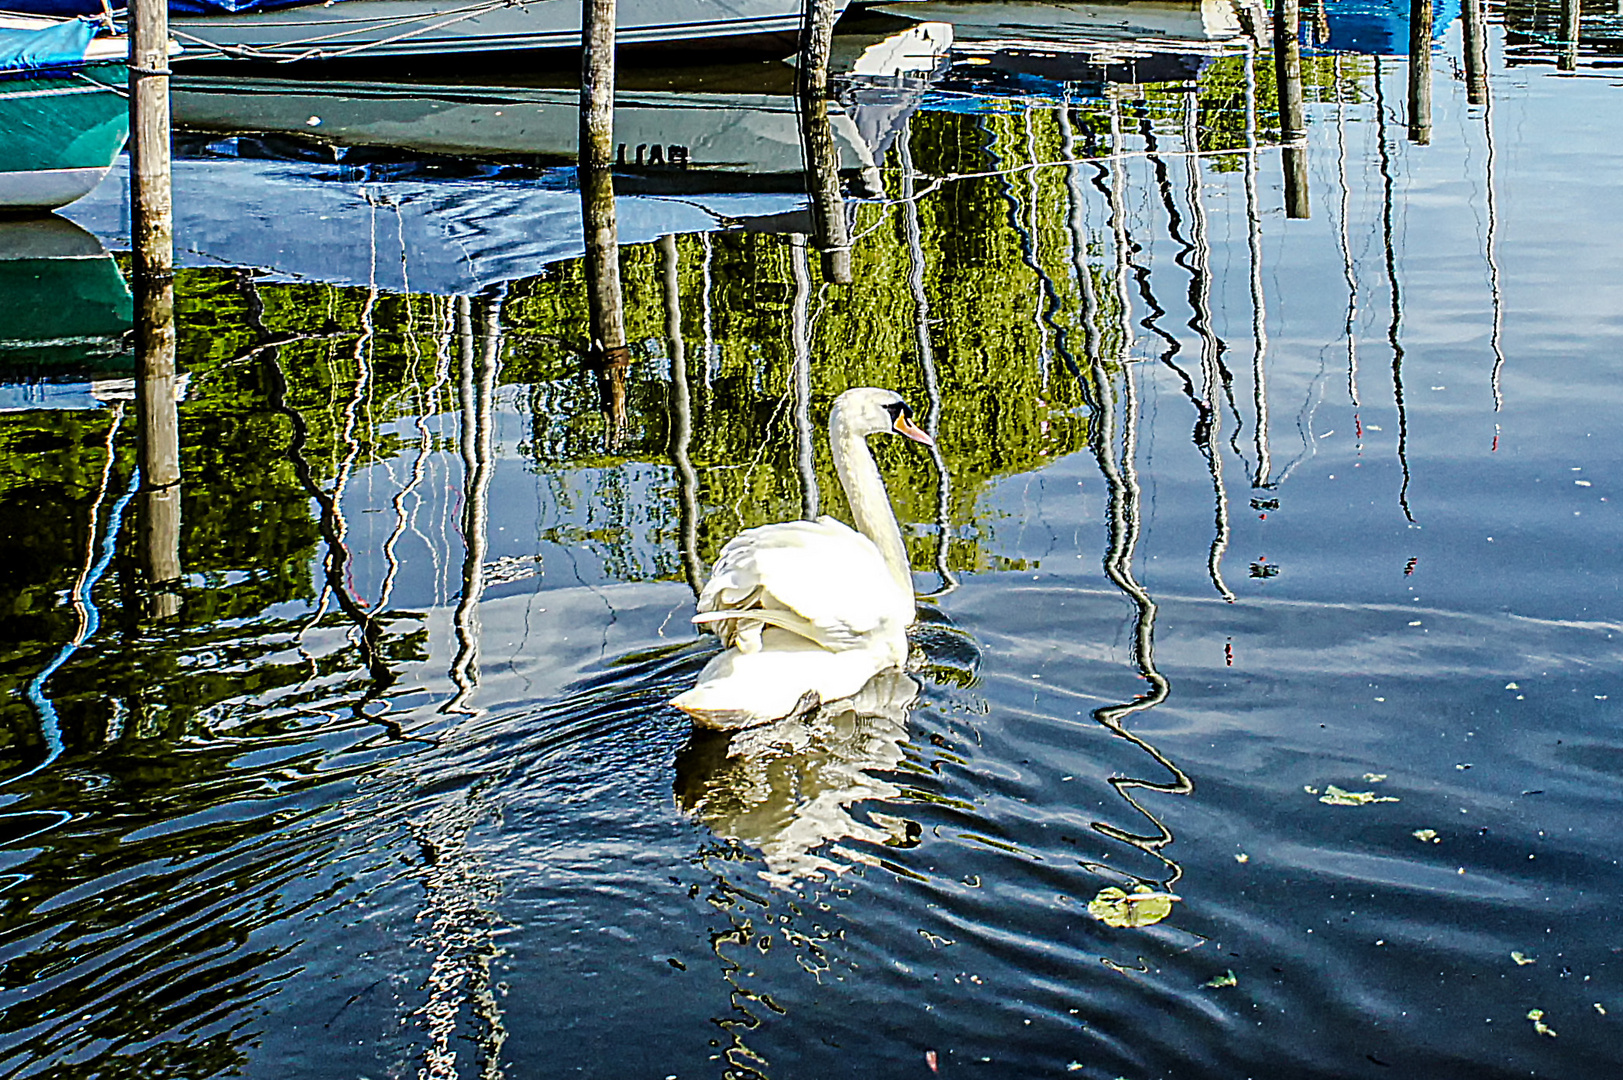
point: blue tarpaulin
(57, 46)
(68, 8)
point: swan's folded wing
(828, 579)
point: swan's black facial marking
(901, 422)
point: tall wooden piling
(1476, 53)
(1571, 21)
(1420, 26)
(1292, 114)
(153, 281)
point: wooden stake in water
(1476, 53)
(1292, 116)
(153, 281)
(1420, 24)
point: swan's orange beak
(905, 426)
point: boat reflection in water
(476, 183)
(64, 314)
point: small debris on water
(1427, 836)
(1522, 959)
(1537, 1016)
(1221, 981)
(1335, 796)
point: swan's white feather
(829, 580)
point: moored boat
(63, 112)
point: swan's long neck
(870, 504)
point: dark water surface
(1238, 509)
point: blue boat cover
(59, 46)
(68, 8)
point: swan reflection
(789, 789)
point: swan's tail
(787, 677)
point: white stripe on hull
(47, 189)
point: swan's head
(869, 410)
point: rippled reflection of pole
(1420, 20)
(606, 354)
(1571, 21)
(1208, 431)
(830, 232)
(800, 378)
(1476, 52)
(1492, 246)
(1118, 230)
(158, 421)
(687, 481)
(1292, 115)
(1348, 270)
(1395, 326)
(1121, 481)
(932, 384)
(1259, 308)
(477, 392)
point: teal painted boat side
(75, 121)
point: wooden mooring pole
(1420, 25)
(151, 237)
(607, 351)
(1292, 115)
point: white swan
(811, 610)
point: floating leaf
(1600, 1008)
(1522, 959)
(1242, 857)
(1226, 979)
(1374, 777)
(1537, 1016)
(1143, 907)
(1311, 790)
(1336, 797)
(1427, 836)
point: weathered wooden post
(1292, 116)
(831, 234)
(151, 237)
(606, 351)
(1571, 19)
(1420, 20)
(1476, 53)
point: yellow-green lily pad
(1142, 907)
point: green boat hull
(59, 135)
